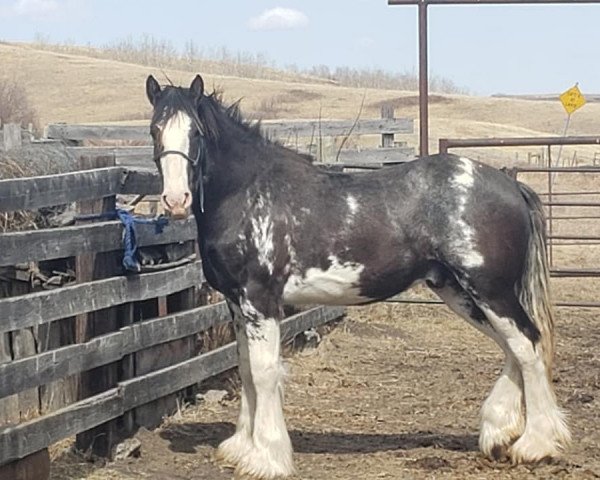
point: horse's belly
(338, 285)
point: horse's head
(176, 132)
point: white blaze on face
(175, 135)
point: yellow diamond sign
(572, 99)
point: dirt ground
(394, 392)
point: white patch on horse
(291, 253)
(175, 136)
(465, 244)
(352, 208)
(352, 204)
(248, 309)
(338, 285)
(262, 233)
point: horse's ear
(152, 89)
(197, 88)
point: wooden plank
(139, 160)
(140, 157)
(336, 128)
(33, 467)
(91, 266)
(64, 242)
(387, 139)
(164, 354)
(300, 128)
(34, 192)
(303, 321)
(157, 384)
(9, 406)
(29, 437)
(79, 133)
(43, 307)
(60, 393)
(45, 367)
(48, 190)
(127, 367)
(12, 136)
(378, 155)
(141, 182)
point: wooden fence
(304, 135)
(109, 352)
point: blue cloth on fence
(130, 247)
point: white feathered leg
(502, 415)
(546, 433)
(271, 455)
(239, 445)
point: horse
(275, 229)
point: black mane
(212, 115)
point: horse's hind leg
(502, 416)
(546, 433)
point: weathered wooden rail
(303, 135)
(131, 339)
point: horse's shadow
(186, 437)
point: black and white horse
(275, 229)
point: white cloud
(279, 18)
(31, 8)
(366, 43)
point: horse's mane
(214, 117)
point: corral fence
(89, 350)
(306, 136)
(569, 202)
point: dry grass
(80, 89)
(15, 106)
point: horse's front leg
(239, 445)
(259, 343)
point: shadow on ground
(184, 438)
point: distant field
(79, 89)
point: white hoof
(231, 451)
(266, 464)
(499, 431)
(548, 441)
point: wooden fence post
(387, 139)
(12, 136)
(88, 267)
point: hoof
(231, 451)
(265, 465)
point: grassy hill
(79, 89)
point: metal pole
(423, 82)
(550, 223)
(491, 2)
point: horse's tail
(534, 288)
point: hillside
(79, 89)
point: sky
(510, 49)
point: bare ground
(392, 392)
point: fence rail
(29, 437)
(155, 354)
(278, 129)
(129, 342)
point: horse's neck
(234, 169)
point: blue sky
(487, 49)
